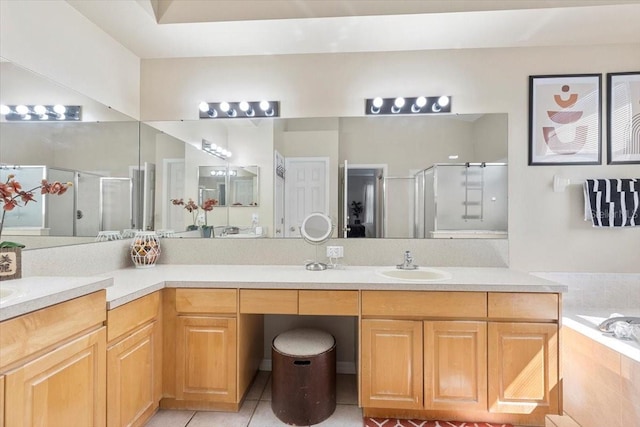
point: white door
(173, 188)
(345, 200)
(306, 190)
(278, 229)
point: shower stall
(94, 203)
(455, 200)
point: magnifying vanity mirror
(316, 229)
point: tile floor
(256, 409)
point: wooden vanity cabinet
(134, 361)
(481, 355)
(391, 364)
(54, 364)
(211, 352)
(523, 342)
(1, 400)
(455, 359)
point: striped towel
(612, 202)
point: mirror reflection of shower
(93, 204)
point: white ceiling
(200, 28)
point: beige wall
(55, 40)
(546, 230)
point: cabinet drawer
(424, 304)
(525, 306)
(129, 316)
(220, 301)
(33, 332)
(329, 303)
(268, 301)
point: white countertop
(128, 284)
(34, 293)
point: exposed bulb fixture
(420, 102)
(402, 105)
(57, 112)
(215, 150)
(246, 108)
(376, 104)
(242, 109)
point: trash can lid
(303, 342)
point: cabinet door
(391, 364)
(523, 368)
(455, 356)
(206, 358)
(1, 400)
(133, 380)
(65, 387)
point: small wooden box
(10, 263)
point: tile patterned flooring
(256, 409)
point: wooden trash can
(303, 383)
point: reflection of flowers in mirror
(12, 196)
(192, 207)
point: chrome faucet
(407, 264)
(607, 325)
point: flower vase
(10, 263)
(145, 249)
(207, 231)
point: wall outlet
(255, 218)
(335, 251)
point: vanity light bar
(239, 110)
(418, 105)
(215, 150)
(41, 113)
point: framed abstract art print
(623, 115)
(565, 120)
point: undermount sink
(418, 275)
(6, 293)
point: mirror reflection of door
(173, 188)
(363, 205)
(278, 195)
(306, 190)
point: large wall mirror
(98, 154)
(376, 177)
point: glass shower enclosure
(454, 200)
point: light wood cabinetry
(206, 358)
(455, 358)
(211, 351)
(391, 364)
(134, 361)
(484, 355)
(523, 368)
(1, 400)
(66, 386)
(53, 365)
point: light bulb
(224, 106)
(377, 102)
(421, 101)
(265, 105)
(244, 106)
(60, 109)
(399, 102)
(4, 110)
(204, 107)
(44, 117)
(39, 109)
(443, 101)
(22, 109)
(61, 117)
